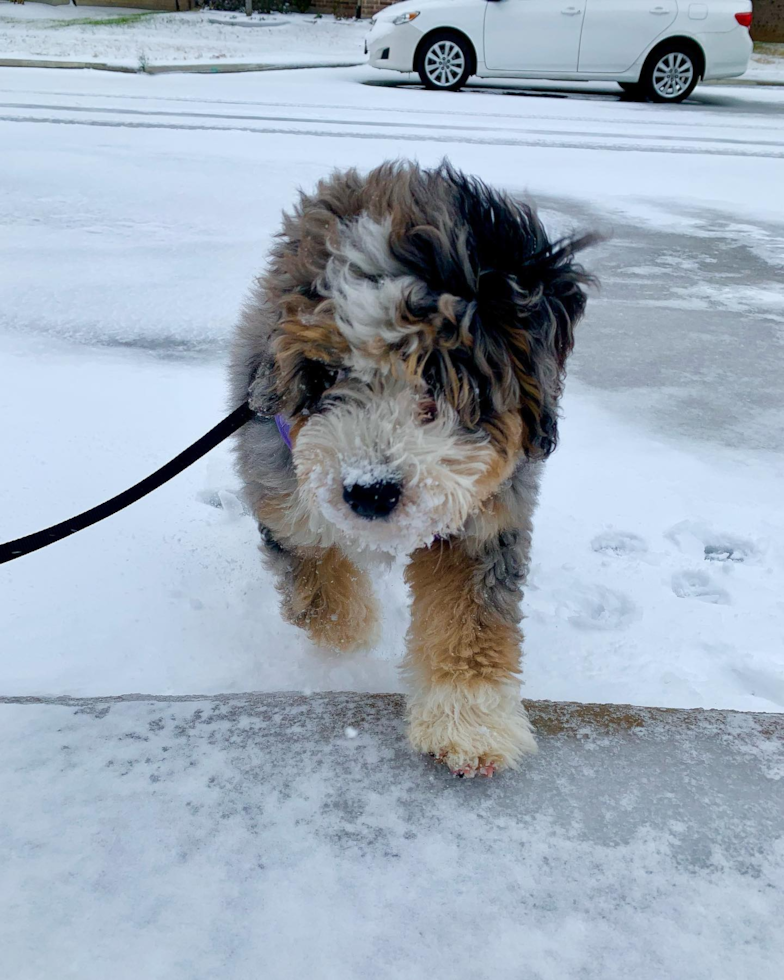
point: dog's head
(421, 324)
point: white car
(655, 49)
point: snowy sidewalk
(284, 836)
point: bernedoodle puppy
(404, 354)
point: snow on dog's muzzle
(384, 478)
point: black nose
(372, 500)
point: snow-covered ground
(767, 63)
(285, 836)
(38, 31)
(136, 212)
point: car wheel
(633, 89)
(670, 74)
(444, 62)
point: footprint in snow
(697, 584)
(594, 607)
(699, 540)
(619, 543)
(730, 549)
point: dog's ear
(562, 282)
(538, 308)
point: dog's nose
(372, 500)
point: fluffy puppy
(404, 354)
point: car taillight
(744, 19)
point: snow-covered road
(717, 121)
(136, 211)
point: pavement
(284, 835)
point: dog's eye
(317, 378)
(326, 378)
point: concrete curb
(547, 717)
(730, 82)
(219, 69)
(206, 69)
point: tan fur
(453, 635)
(332, 601)
(505, 437)
(276, 514)
(464, 661)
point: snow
(251, 836)
(767, 63)
(296, 834)
(31, 12)
(124, 273)
(35, 31)
(144, 602)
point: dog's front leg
(323, 592)
(464, 653)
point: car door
(533, 35)
(617, 32)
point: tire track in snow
(628, 146)
(588, 134)
(646, 115)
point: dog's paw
(483, 765)
(475, 731)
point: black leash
(32, 542)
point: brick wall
(768, 23)
(348, 8)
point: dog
(404, 355)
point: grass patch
(102, 21)
(769, 47)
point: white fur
(367, 286)
(377, 435)
(469, 726)
(364, 244)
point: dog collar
(284, 429)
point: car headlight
(406, 18)
(372, 22)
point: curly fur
(413, 326)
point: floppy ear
(551, 303)
(564, 293)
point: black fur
(521, 293)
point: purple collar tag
(284, 429)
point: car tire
(670, 74)
(632, 89)
(445, 62)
